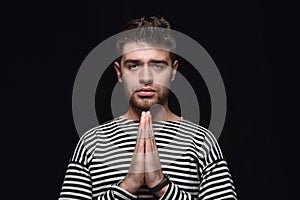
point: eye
(158, 66)
(133, 67)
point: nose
(145, 75)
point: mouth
(145, 92)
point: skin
(146, 73)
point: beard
(144, 104)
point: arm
(78, 184)
(216, 180)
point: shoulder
(108, 126)
(88, 142)
(197, 131)
(203, 139)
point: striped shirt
(188, 153)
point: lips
(145, 92)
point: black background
(255, 45)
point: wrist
(153, 183)
(161, 187)
(162, 191)
(128, 187)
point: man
(149, 152)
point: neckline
(159, 121)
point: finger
(147, 125)
(152, 137)
(150, 124)
(142, 124)
(138, 161)
(148, 146)
(152, 160)
(150, 141)
(140, 141)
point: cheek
(163, 80)
(129, 85)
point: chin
(143, 104)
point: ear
(118, 70)
(174, 70)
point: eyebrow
(150, 61)
(132, 61)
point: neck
(158, 112)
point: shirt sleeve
(216, 181)
(77, 184)
(175, 193)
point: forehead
(144, 52)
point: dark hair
(152, 21)
(152, 30)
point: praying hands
(145, 164)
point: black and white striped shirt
(189, 154)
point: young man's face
(146, 73)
